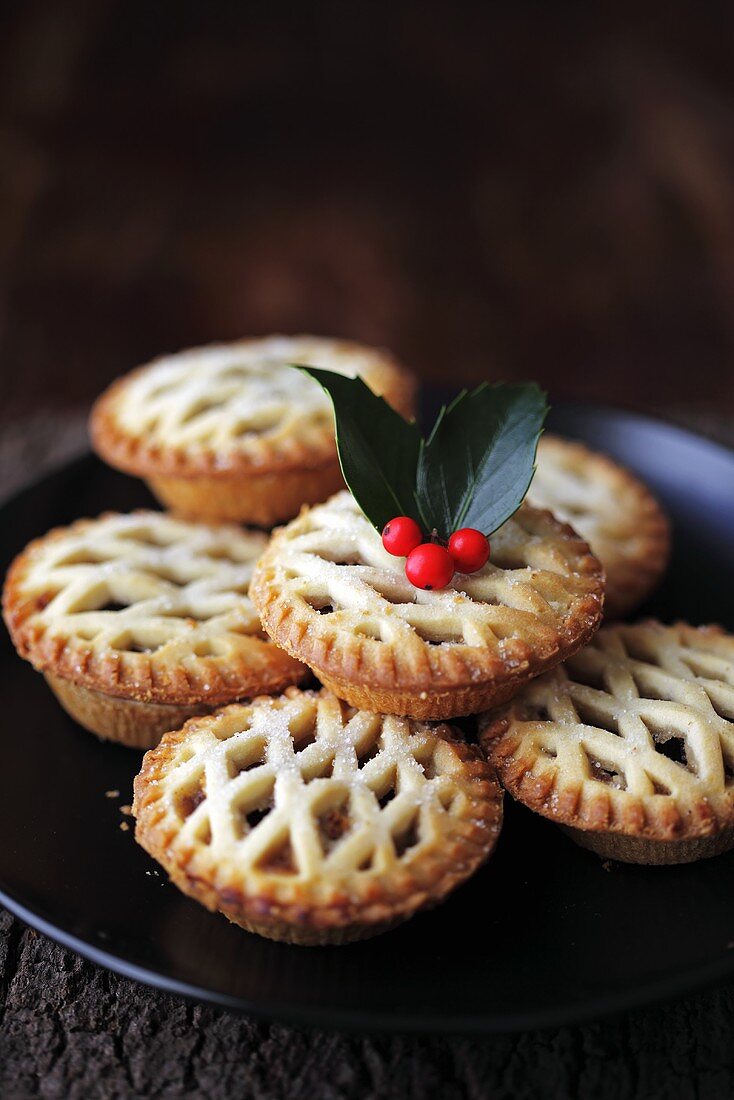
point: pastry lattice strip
(301, 784)
(214, 397)
(129, 583)
(611, 509)
(235, 396)
(644, 709)
(147, 607)
(566, 484)
(337, 566)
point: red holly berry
(469, 549)
(429, 566)
(401, 535)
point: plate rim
(383, 1021)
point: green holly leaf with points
(476, 466)
(474, 469)
(378, 449)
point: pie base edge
(259, 499)
(129, 722)
(648, 851)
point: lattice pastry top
(145, 607)
(231, 408)
(330, 594)
(306, 820)
(612, 510)
(633, 735)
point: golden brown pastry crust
(305, 821)
(225, 432)
(125, 721)
(590, 745)
(262, 500)
(610, 508)
(331, 596)
(286, 432)
(180, 588)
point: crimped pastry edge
(154, 460)
(629, 581)
(70, 659)
(445, 694)
(697, 822)
(306, 920)
(673, 835)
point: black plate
(543, 935)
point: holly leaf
(475, 468)
(378, 450)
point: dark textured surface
(69, 1030)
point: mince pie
(305, 820)
(629, 745)
(140, 621)
(330, 594)
(230, 433)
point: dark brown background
(538, 190)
